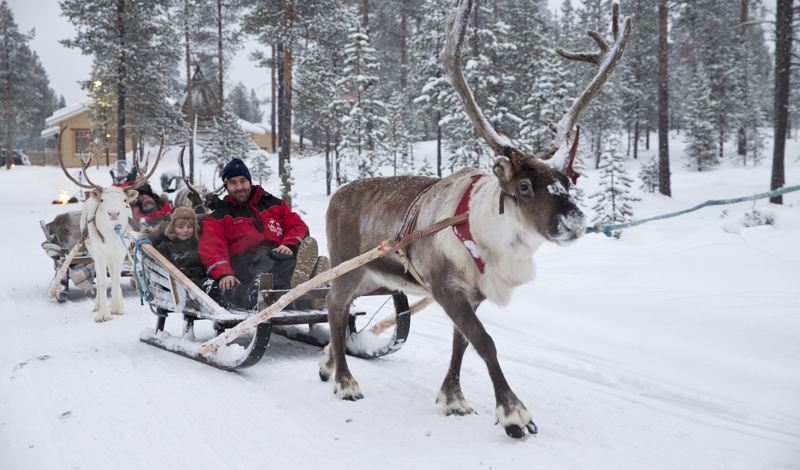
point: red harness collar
(462, 230)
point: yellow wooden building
(74, 122)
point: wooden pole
(294, 294)
(384, 325)
(63, 269)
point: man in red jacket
(253, 232)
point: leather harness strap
(462, 230)
(93, 220)
(460, 223)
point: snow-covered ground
(676, 346)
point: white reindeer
(104, 213)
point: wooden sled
(173, 292)
(81, 257)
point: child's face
(184, 230)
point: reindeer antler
(183, 175)
(84, 165)
(451, 61)
(607, 59)
(139, 171)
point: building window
(82, 142)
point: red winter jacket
(236, 228)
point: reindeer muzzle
(570, 228)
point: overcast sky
(65, 67)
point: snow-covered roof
(252, 128)
(65, 113)
(49, 132)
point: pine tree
(284, 23)
(135, 50)
(398, 136)
(317, 95)
(701, 151)
(613, 201)
(428, 84)
(38, 102)
(227, 140)
(603, 117)
(548, 102)
(363, 121)
(18, 66)
(579, 165)
(244, 105)
(707, 35)
(649, 175)
(638, 71)
(752, 91)
(259, 166)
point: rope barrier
(128, 254)
(609, 229)
(144, 294)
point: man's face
(239, 189)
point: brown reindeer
(524, 203)
(197, 198)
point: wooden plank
(389, 322)
(63, 270)
(185, 282)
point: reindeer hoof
(454, 404)
(532, 429)
(351, 392)
(348, 397)
(518, 432)
(515, 431)
(102, 318)
(324, 375)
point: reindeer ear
(131, 194)
(96, 193)
(503, 170)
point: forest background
(360, 81)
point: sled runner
(168, 291)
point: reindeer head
(538, 184)
(203, 201)
(540, 194)
(112, 202)
(113, 206)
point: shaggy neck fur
(504, 243)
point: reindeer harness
(460, 223)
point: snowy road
(674, 347)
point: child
(179, 244)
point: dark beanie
(234, 168)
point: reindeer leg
(115, 270)
(339, 299)
(101, 301)
(450, 396)
(511, 413)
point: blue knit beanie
(234, 168)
